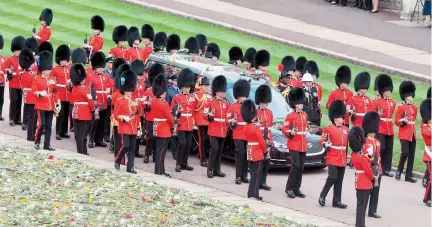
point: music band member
(44, 32)
(26, 60)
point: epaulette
(401, 104)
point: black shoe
(24, 127)
(178, 168)
(174, 156)
(117, 166)
(374, 215)
(245, 180)
(259, 198)
(167, 175)
(187, 167)
(91, 144)
(107, 139)
(350, 165)
(355, 5)
(398, 175)
(210, 173)
(410, 179)
(138, 155)
(388, 174)
(18, 123)
(339, 205)
(300, 194)
(66, 136)
(219, 174)
(37, 146)
(265, 187)
(72, 129)
(428, 203)
(58, 137)
(146, 159)
(1, 119)
(204, 163)
(12, 123)
(238, 180)
(321, 201)
(424, 182)
(49, 148)
(290, 194)
(100, 144)
(131, 171)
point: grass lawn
(72, 21)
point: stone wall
(396, 5)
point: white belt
(301, 133)
(428, 151)
(360, 171)
(241, 123)
(411, 122)
(360, 114)
(386, 119)
(219, 120)
(27, 89)
(338, 147)
(102, 92)
(159, 119)
(186, 115)
(252, 144)
(81, 103)
(61, 85)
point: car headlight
(279, 145)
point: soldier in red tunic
(202, 39)
(119, 36)
(78, 56)
(147, 33)
(32, 45)
(360, 103)
(235, 56)
(138, 67)
(202, 98)
(262, 61)
(160, 42)
(249, 59)
(44, 32)
(173, 43)
(96, 42)
(295, 127)
(216, 112)
(83, 107)
(47, 102)
(426, 175)
(263, 97)
(406, 114)
(26, 60)
(426, 130)
(212, 51)
(134, 40)
(241, 90)
(342, 79)
(334, 139)
(2, 77)
(256, 147)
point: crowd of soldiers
(121, 100)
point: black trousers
(117, 143)
(216, 147)
(202, 143)
(427, 195)
(107, 122)
(335, 178)
(70, 116)
(241, 162)
(138, 141)
(31, 121)
(173, 145)
(296, 171)
(27, 109)
(127, 146)
(265, 169)
(82, 130)
(161, 150)
(254, 184)
(386, 151)
(150, 143)
(98, 126)
(15, 96)
(2, 88)
(184, 146)
(44, 122)
(408, 152)
(374, 196)
(362, 203)
(63, 119)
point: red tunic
(202, 100)
(135, 53)
(386, 107)
(148, 98)
(137, 96)
(118, 52)
(89, 71)
(294, 82)
(297, 121)
(187, 105)
(83, 103)
(319, 89)
(256, 146)
(338, 138)
(163, 120)
(343, 95)
(375, 145)
(3, 59)
(409, 112)
(96, 42)
(62, 76)
(265, 118)
(125, 107)
(12, 64)
(101, 83)
(426, 131)
(44, 33)
(360, 104)
(27, 78)
(234, 114)
(219, 108)
(147, 51)
(364, 175)
(47, 84)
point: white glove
(57, 108)
(139, 134)
(126, 119)
(370, 151)
(195, 127)
(43, 93)
(326, 145)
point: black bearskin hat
(98, 60)
(362, 81)
(18, 43)
(376, 84)
(128, 81)
(384, 83)
(204, 81)
(202, 39)
(213, 50)
(1, 42)
(262, 58)
(62, 53)
(31, 43)
(428, 94)
(79, 56)
(133, 34)
(97, 23)
(119, 71)
(249, 56)
(138, 67)
(173, 42)
(26, 58)
(47, 16)
(155, 70)
(300, 62)
(159, 85)
(120, 33)
(185, 78)
(425, 110)
(288, 64)
(370, 122)
(45, 61)
(296, 96)
(45, 46)
(356, 139)
(248, 110)
(117, 63)
(241, 88)
(312, 68)
(77, 74)
(192, 44)
(147, 32)
(219, 84)
(160, 41)
(337, 109)
(235, 54)
(407, 88)
(343, 75)
(263, 94)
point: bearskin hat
(296, 96)
(370, 122)
(241, 88)
(262, 58)
(45, 46)
(1, 42)
(160, 41)
(116, 63)
(26, 58)
(138, 67)
(204, 81)
(219, 84)
(97, 23)
(98, 60)
(356, 139)
(384, 83)
(62, 53)
(185, 78)
(407, 88)
(119, 71)
(173, 42)
(362, 81)
(31, 43)
(18, 43)
(202, 39)
(263, 94)
(249, 56)
(120, 33)
(213, 49)
(147, 32)
(300, 62)
(312, 68)
(337, 109)
(192, 44)
(47, 16)
(133, 34)
(77, 74)
(155, 70)
(287, 65)
(248, 110)
(128, 81)
(159, 85)
(428, 94)
(235, 54)
(45, 61)
(79, 56)
(425, 110)
(343, 75)
(376, 84)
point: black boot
(49, 148)
(238, 180)
(410, 179)
(209, 173)
(66, 136)
(58, 137)
(131, 171)
(219, 174)
(398, 175)
(37, 146)
(91, 144)
(117, 166)
(245, 180)
(101, 144)
(24, 127)
(187, 167)
(388, 174)
(146, 159)
(204, 163)
(290, 194)
(300, 194)
(356, 3)
(107, 139)
(374, 215)
(321, 200)
(12, 123)
(339, 205)
(178, 168)
(138, 155)
(265, 187)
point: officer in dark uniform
(311, 106)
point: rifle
(34, 29)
